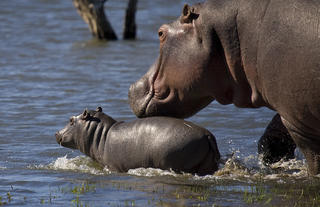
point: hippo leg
(313, 159)
(276, 142)
(309, 145)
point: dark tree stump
(92, 12)
(276, 142)
(130, 23)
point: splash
(234, 168)
(152, 172)
(81, 164)
(251, 169)
(291, 168)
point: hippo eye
(160, 33)
(71, 120)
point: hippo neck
(225, 23)
(95, 134)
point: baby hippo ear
(99, 109)
(85, 114)
(188, 14)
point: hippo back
(159, 142)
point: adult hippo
(251, 53)
(158, 142)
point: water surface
(51, 68)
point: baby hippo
(157, 142)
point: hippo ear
(99, 109)
(85, 114)
(188, 14)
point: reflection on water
(51, 69)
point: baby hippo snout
(66, 139)
(58, 137)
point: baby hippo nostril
(58, 137)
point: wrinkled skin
(158, 142)
(251, 53)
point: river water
(51, 68)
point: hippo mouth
(62, 142)
(59, 138)
(166, 104)
(141, 94)
(146, 101)
(150, 104)
(155, 103)
(139, 102)
(148, 97)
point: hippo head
(189, 73)
(80, 131)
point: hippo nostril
(58, 138)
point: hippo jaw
(65, 141)
(145, 103)
(140, 95)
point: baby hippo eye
(160, 34)
(71, 120)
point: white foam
(292, 164)
(235, 169)
(151, 172)
(251, 168)
(207, 178)
(82, 164)
(291, 168)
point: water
(51, 68)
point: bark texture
(92, 12)
(130, 27)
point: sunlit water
(51, 68)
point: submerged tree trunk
(130, 23)
(92, 12)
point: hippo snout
(58, 137)
(139, 97)
(65, 139)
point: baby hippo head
(81, 129)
